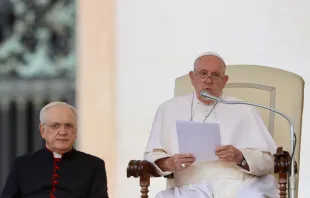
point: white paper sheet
(200, 139)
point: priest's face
(59, 128)
(209, 75)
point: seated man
(58, 170)
(245, 157)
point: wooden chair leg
(144, 183)
(282, 163)
(283, 184)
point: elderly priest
(244, 158)
(58, 170)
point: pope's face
(59, 128)
(209, 75)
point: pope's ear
(226, 78)
(191, 75)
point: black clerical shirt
(40, 175)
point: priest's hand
(176, 162)
(229, 153)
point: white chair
(268, 86)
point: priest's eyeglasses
(57, 126)
(203, 75)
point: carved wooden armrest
(282, 162)
(145, 170)
(138, 168)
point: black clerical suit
(40, 175)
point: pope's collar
(198, 102)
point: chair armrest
(282, 163)
(144, 170)
(138, 168)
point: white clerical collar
(57, 155)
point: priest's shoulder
(27, 158)
(89, 158)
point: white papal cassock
(240, 126)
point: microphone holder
(292, 180)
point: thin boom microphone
(208, 96)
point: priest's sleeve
(11, 187)
(99, 186)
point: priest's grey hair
(53, 104)
(209, 54)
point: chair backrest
(268, 86)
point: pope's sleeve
(154, 149)
(259, 157)
(260, 163)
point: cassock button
(56, 182)
(54, 189)
(55, 175)
(58, 159)
(57, 167)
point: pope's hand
(229, 153)
(180, 161)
